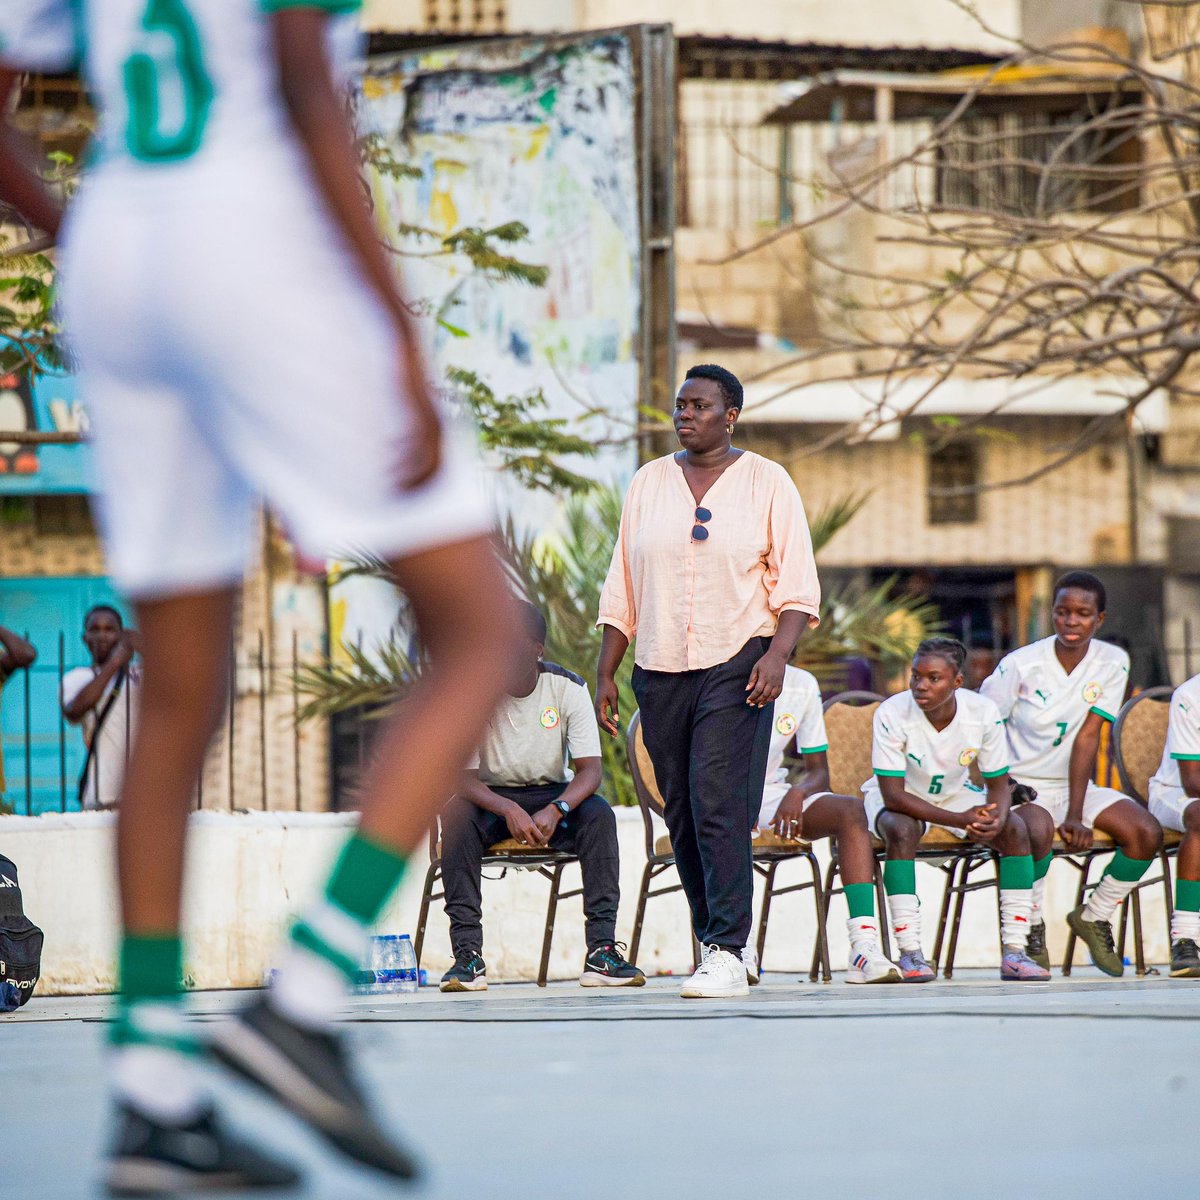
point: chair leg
(551, 913)
(1139, 949)
(768, 890)
(640, 916)
(1085, 869)
(826, 896)
(960, 899)
(822, 913)
(431, 878)
(1168, 897)
(885, 915)
(944, 914)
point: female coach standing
(713, 574)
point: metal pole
(232, 706)
(28, 740)
(62, 725)
(262, 719)
(295, 710)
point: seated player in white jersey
(924, 743)
(808, 809)
(1175, 804)
(1055, 695)
(241, 337)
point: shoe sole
(461, 985)
(1076, 924)
(149, 1177)
(893, 976)
(257, 1060)
(713, 994)
(918, 978)
(753, 980)
(1186, 973)
(595, 979)
(1023, 978)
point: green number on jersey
(166, 69)
(1062, 732)
(935, 785)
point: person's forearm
(474, 790)
(93, 692)
(20, 184)
(1079, 773)
(17, 650)
(792, 623)
(613, 644)
(586, 783)
(999, 795)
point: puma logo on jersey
(1044, 697)
(915, 758)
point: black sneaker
(149, 1159)
(1185, 959)
(308, 1073)
(1035, 945)
(606, 967)
(469, 974)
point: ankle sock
(1040, 867)
(863, 931)
(153, 1050)
(1185, 921)
(1016, 899)
(900, 880)
(1119, 879)
(329, 941)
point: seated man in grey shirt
(519, 785)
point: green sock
(1016, 872)
(361, 883)
(860, 899)
(151, 973)
(1127, 870)
(1187, 894)
(900, 877)
(1041, 866)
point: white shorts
(773, 795)
(957, 803)
(1054, 798)
(230, 354)
(1168, 804)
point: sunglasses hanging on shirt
(699, 533)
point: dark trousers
(589, 832)
(709, 749)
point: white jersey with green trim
(798, 715)
(1183, 734)
(183, 86)
(1044, 707)
(936, 765)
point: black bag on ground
(20, 939)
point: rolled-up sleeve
(791, 578)
(617, 606)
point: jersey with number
(937, 764)
(1183, 734)
(179, 83)
(798, 716)
(1044, 707)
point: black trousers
(709, 749)
(590, 832)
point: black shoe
(308, 1073)
(149, 1159)
(1185, 959)
(606, 967)
(1035, 945)
(469, 974)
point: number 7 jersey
(178, 82)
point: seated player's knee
(902, 834)
(1149, 840)
(1191, 818)
(851, 816)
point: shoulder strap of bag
(101, 717)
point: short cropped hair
(102, 608)
(1085, 581)
(727, 381)
(534, 622)
(951, 649)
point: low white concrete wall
(247, 873)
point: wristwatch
(563, 807)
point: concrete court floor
(1085, 1087)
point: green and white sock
(862, 927)
(1016, 899)
(154, 1051)
(1185, 921)
(1040, 867)
(329, 941)
(900, 881)
(1119, 879)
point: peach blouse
(694, 604)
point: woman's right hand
(607, 711)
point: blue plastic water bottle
(385, 959)
(407, 966)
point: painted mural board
(47, 404)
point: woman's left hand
(766, 680)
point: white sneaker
(750, 962)
(720, 974)
(868, 965)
